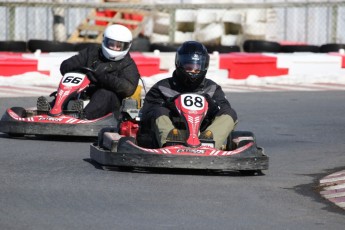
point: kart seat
(137, 96)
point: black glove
(92, 77)
(96, 74)
(101, 70)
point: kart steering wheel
(87, 70)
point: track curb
(333, 188)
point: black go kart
(62, 119)
(131, 146)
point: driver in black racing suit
(115, 71)
(191, 61)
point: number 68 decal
(193, 101)
(72, 79)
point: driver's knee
(162, 126)
(221, 127)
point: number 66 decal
(72, 79)
(193, 101)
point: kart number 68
(193, 101)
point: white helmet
(117, 40)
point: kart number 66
(72, 79)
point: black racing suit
(158, 101)
(115, 80)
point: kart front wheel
(231, 145)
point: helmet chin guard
(190, 81)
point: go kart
(62, 119)
(132, 146)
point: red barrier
(147, 66)
(14, 64)
(241, 65)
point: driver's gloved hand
(92, 77)
(101, 70)
(100, 74)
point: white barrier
(220, 27)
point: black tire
(146, 136)
(20, 111)
(259, 46)
(83, 45)
(231, 145)
(223, 49)
(13, 46)
(331, 47)
(299, 48)
(50, 46)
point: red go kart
(61, 119)
(130, 146)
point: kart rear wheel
(20, 111)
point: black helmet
(191, 63)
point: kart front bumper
(251, 160)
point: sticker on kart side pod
(192, 101)
(195, 151)
(50, 119)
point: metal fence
(312, 22)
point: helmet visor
(116, 45)
(192, 68)
(193, 63)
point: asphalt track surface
(52, 184)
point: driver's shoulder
(208, 82)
